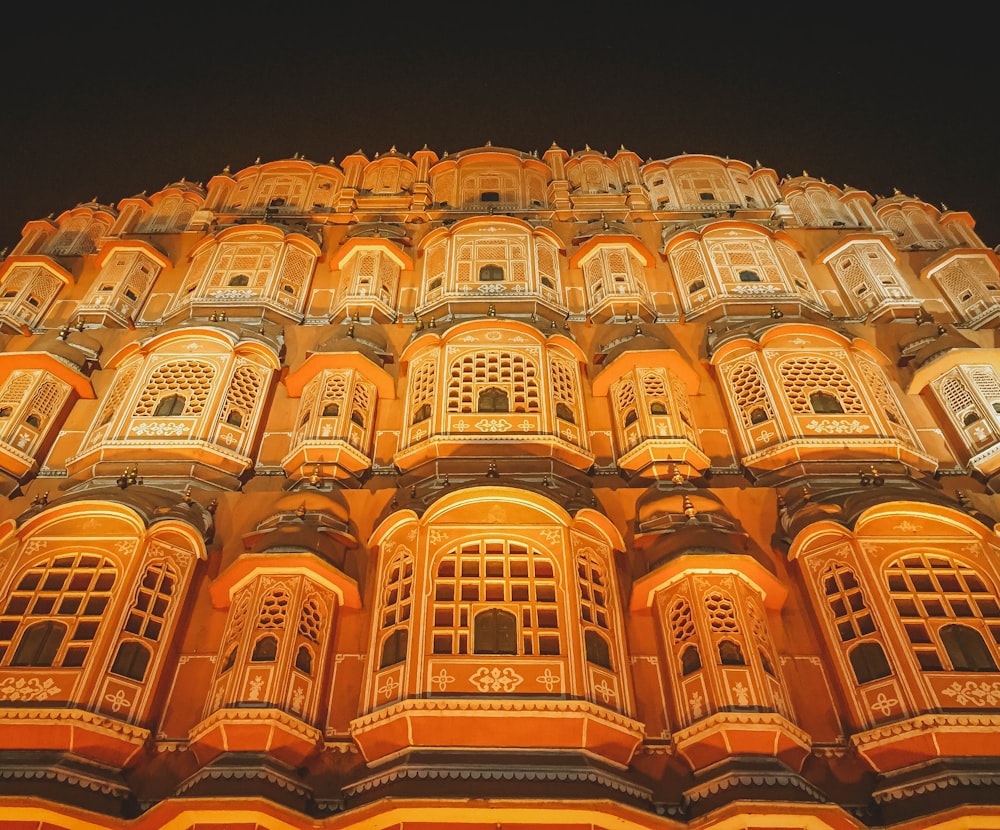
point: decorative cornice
(941, 781)
(493, 773)
(767, 720)
(289, 723)
(243, 774)
(77, 717)
(750, 779)
(64, 776)
(925, 723)
(498, 705)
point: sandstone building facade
(500, 489)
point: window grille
(801, 376)
(311, 619)
(422, 387)
(273, 609)
(510, 372)
(73, 589)
(499, 574)
(191, 377)
(929, 591)
(750, 394)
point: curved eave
(850, 239)
(629, 360)
(431, 339)
(351, 246)
(764, 338)
(949, 360)
(547, 510)
(250, 565)
(118, 245)
(947, 257)
(772, 590)
(11, 361)
(296, 381)
(217, 336)
(277, 234)
(45, 262)
(595, 243)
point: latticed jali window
(971, 398)
(243, 395)
(684, 636)
(374, 274)
(274, 608)
(26, 293)
(510, 255)
(145, 621)
(689, 266)
(170, 214)
(750, 394)
(28, 403)
(563, 381)
(972, 285)
(397, 603)
(722, 622)
(742, 263)
(152, 601)
(933, 592)
(422, 387)
(594, 608)
(243, 267)
(495, 575)
(53, 612)
(295, 271)
(846, 601)
(877, 384)
(476, 373)
(807, 380)
(612, 272)
(191, 379)
(311, 619)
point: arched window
(868, 662)
(690, 660)
(930, 592)
(730, 653)
(169, 406)
(303, 660)
(495, 571)
(824, 402)
(422, 413)
(396, 606)
(966, 649)
(131, 660)
(394, 648)
(491, 273)
(39, 644)
(597, 649)
(492, 399)
(265, 650)
(71, 590)
(495, 632)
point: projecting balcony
(493, 434)
(476, 298)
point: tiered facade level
(500, 490)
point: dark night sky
(97, 106)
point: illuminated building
(500, 489)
